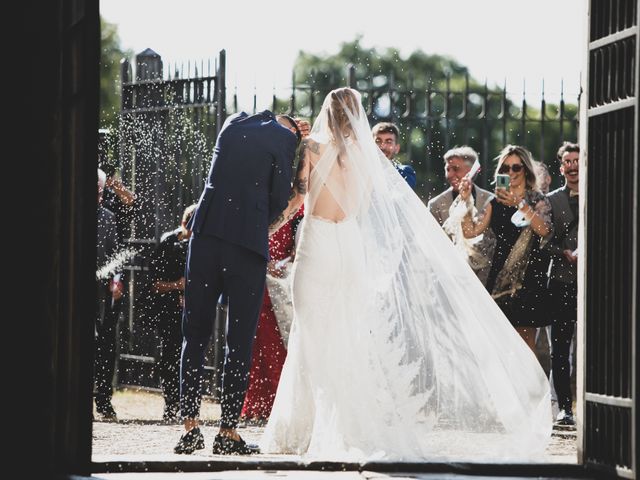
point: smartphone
(503, 181)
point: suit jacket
(107, 246)
(407, 172)
(563, 238)
(440, 204)
(249, 181)
(107, 236)
(439, 207)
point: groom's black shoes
(227, 446)
(190, 442)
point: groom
(248, 187)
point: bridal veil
(436, 369)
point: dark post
(484, 160)
(220, 322)
(409, 114)
(504, 113)
(351, 75)
(312, 94)
(523, 116)
(292, 103)
(445, 112)
(465, 108)
(428, 127)
(125, 78)
(221, 91)
(274, 101)
(148, 65)
(561, 112)
(151, 182)
(235, 99)
(255, 99)
(392, 106)
(543, 107)
(144, 159)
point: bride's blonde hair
(338, 120)
(341, 100)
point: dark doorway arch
(55, 127)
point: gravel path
(139, 434)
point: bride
(396, 351)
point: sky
(520, 41)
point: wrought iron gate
(167, 128)
(610, 290)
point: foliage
(111, 54)
(379, 68)
(426, 96)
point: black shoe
(565, 417)
(106, 412)
(190, 442)
(227, 446)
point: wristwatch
(521, 204)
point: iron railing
(167, 128)
(439, 117)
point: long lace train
(396, 350)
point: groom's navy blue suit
(248, 187)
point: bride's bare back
(324, 205)
(325, 176)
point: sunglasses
(515, 168)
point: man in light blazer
(457, 163)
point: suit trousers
(564, 301)
(105, 346)
(215, 267)
(170, 331)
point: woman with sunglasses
(520, 217)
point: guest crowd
(520, 239)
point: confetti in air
(115, 263)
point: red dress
(269, 351)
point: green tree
(415, 92)
(418, 70)
(111, 53)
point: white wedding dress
(397, 351)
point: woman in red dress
(269, 350)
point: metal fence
(434, 119)
(167, 126)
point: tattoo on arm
(313, 146)
(276, 223)
(283, 218)
(301, 185)
(299, 190)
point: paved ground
(140, 436)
